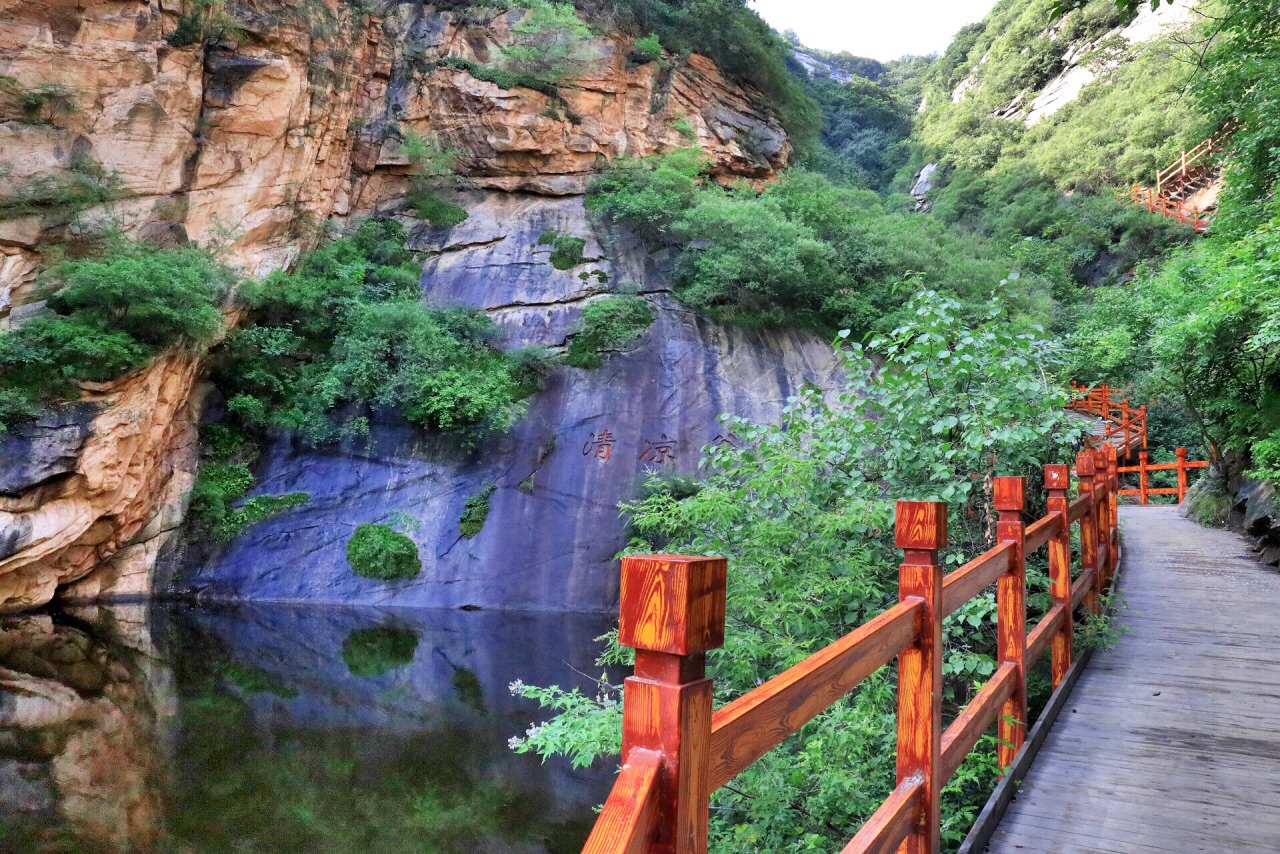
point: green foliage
(865, 126)
(1243, 75)
(1201, 332)
(648, 195)
(476, 511)
(222, 480)
(376, 651)
(500, 77)
(566, 251)
(377, 551)
(41, 104)
(607, 324)
(110, 313)
(440, 213)
(345, 331)
(61, 193)
(1132, 120)
(647, 49)
(206, 21)
(803, 513)
(549, 42)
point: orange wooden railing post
(1112, 466)
(1085, 469)
(1142, 425)
(1057, 479)
(1182, 474)
(921, 532)
(1011, 614)
(673, 611)
(1142, 477)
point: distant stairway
(1188, 189)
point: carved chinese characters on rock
(600, 446)
(660, 451)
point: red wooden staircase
(1185, 190)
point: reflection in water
(290, 729)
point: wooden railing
(1144, 468)
(1126, 426)
(676, 751)
(1168, 196)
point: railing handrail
(673, 611)
(1123, 420)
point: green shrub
(566, 252)
(647, 49)
(440, 213)
(375, 651)
(500, 77)
(61, 193)
(376, 551)
(649, 195)
(550, 43)
(346, 331)
(606, 325)
(475, 512)
(111, 313)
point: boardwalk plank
(1171, 740)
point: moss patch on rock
(377, 551)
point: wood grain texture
(1171, 739)
(1042, 531)
(629, 821)
(755, 723)
(970, 724)
(920, 669)
(673, 603)
(890, 824)
(961, 585)
(1078, 508)
(1011, 615)
(1041, 637)
(1082, 587)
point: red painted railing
(1144, 468)
(1126, 426)
(1170, 193)
(677, 751)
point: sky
(882, 29)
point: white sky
(883, 29)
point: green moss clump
(373, 652)
(645, 50)
(376, 551)
(435, 210)
(606, 325)
(475, 512)
(566, 251)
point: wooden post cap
(1085, 466)
(921, 525)
(1010, 493)
(673, 603)
(1181, 453)
(1057, 476)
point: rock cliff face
(294, 117)
(590, 440)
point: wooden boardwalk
(1171, 740)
